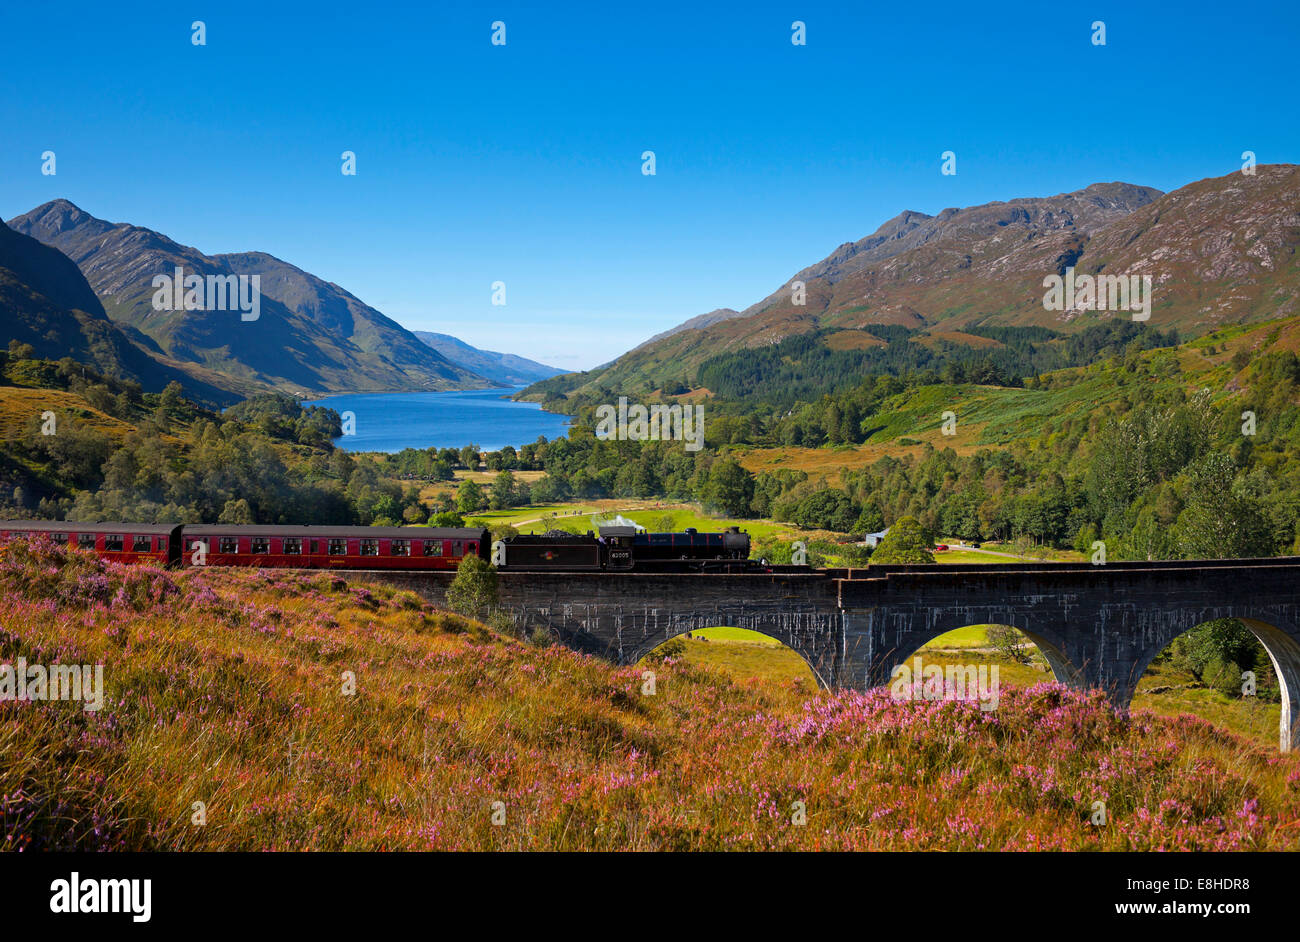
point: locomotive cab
(618, 546)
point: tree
(1008, 642)
(906, 542)
(237, 512)
(826, 509)
(871, 520)
(474, 590)
(1221, 520)
(503, 491)
(469, 498)
(549, 489)
(1084, 539)
(729, 487)
(1217, 652)
(171, 401)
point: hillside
(230, 689)
(504, 368)
(1220, 251)
(992, 416)
(48, 304)
(311, 336)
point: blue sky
(479, 163)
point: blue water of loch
(484, 417)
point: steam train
(625, 549)
(407, 548)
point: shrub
(906, 542)
(474, 590)
(673, 647)
(1008, 642)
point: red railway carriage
(122, 542)
(317, 547)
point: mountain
(696, 323)
(504, 368)
(1219, 251)
(46, 302)
(311, 336)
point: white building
(873, 539)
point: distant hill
(47, 302)
(504, 368)
(696, 323)
(312, 336)
(1220, 251)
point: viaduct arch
(1098, 626)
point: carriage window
(229, 544)
(399, 548)
(260, 544)
(369, 547)
(293, 546)
(86, 540)
(338, 547)
(315, 547)
(140, 544)
(471, 548)
(162, 544)
(59, 537)
(113, 543)
(458, 548)
(433, 547)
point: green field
(950, 557)
(972, 636)
(736, 634)
(517, 515)
(577, 517)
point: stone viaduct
(1098, 626)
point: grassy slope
(226, 688)
(20, 405)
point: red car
(305, 547)
(327, 547)
(121, 542)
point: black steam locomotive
(627, 549)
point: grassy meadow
(260, 710)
